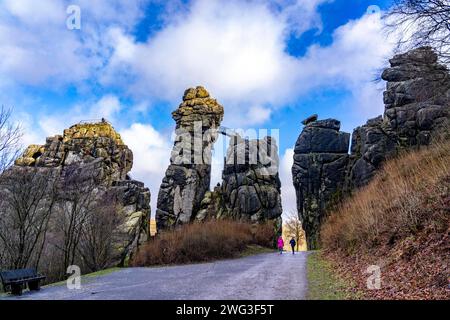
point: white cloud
(302, 15)
(257, 114)
(288, 196)
(151, 152)
(37, 49)
(108, 107)
(353, 60)
(234, 48)
(33, 13)
(237, 50)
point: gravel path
(259, 277)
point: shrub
(200, 242)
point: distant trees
(421, 23)
(10, 135)
(293, 229)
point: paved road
(259, 277)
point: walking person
(280, 244)
(293, 243)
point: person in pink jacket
(280, 244)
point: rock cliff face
(417, 110)
(189, 174)
(97, 149)
(417, 102)
(250, 189)
(320, 164)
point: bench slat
(20, 275)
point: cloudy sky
(270, 63)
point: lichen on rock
(82, 143)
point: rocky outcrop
(83, 143)
(417, 103)
(371, 145)
(417, 111)
(88, 150)
(251, 188)
(320, 164)
(189, 174)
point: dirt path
(259, 277)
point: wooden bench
(15, 281)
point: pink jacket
(280, 243)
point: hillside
(399, 222)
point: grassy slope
(401, 223)
(87, 277)
(324, 283)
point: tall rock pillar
(320, 163)
(188, 176)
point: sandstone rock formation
(97, 149)
(417, 110)
(320, 164)
(83, 143)
(417, 102)
(189, 174)
(251, 188)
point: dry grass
(399, 222)
(199, 242)
(409, 193)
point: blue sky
(271, 63)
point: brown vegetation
(399, 222)
(394, 204)
(199, 242)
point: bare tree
(99, 233)
(77, 202)
(27, 199)
(421, 23)
(10, 135)
(293, 229)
